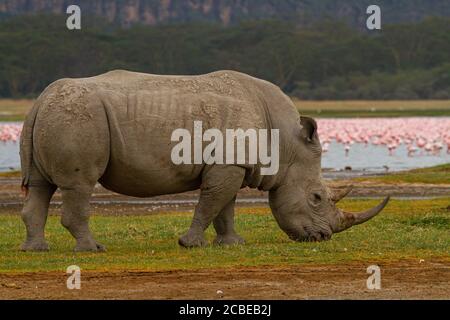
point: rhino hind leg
(35, 211)
(75, 218)
(220, 185)
(224, 226)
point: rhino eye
(315, 199)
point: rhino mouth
(311, 236)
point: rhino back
(143, 111)
(139, 112)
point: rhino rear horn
(339, 194)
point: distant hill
(227, 12)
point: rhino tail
(26, 146)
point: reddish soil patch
(399, 280)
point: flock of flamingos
(420, 135)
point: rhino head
(303, 206)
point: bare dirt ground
(399, 280)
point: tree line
(328, 60)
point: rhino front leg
(75, 218)
(224, 225)
(220, 185)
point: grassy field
(10, 174)
(433, 175)
(15, 110)
(380, 108)
(407, 229)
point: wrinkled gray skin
(115, 129)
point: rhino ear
(308, 127)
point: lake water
(9, 156)
(369, 158)
(376, 158)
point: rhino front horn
(338, 194)
(348, 219)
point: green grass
(375, 114)
(407, 229)
(376, 108)
(15, 110)
(433, 175)
(10, 174)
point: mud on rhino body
(115, 129)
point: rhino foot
(36, 245)
(89, 246)
(190, 240)
(228, 239)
